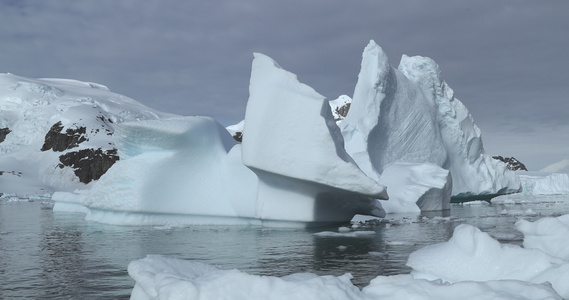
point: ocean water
(55, 255)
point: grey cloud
(505, 60)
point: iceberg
(410, 114)
(300, 163)
(550, 184)
(172, 170)
(190, 170)
(414, 187)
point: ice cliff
(410, 114)
(312, 170)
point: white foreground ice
(472, 255)
(471, 265)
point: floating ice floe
(550, 235)
(159, 277)
(472, 255)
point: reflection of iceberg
(190, 170)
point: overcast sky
(507, 61)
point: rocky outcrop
(58, 140)
(341, 112)
(89, 164)
(512, 163)
(238, 136)
(3, 133)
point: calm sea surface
(53, 255)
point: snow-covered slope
(55, 134)
(410, 114)
(558, 167)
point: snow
(29, 107)
(233, 129)
(558, 167)
(472, 255)
(416, 187)
(410, 114)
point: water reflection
(62, 259)
(59, 255)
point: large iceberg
(403, 129)
(300, 162)
(410, 114)
(191, 170)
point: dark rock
(512, 163)
(3, 133)
(238, 136)
(89, 164)
(59, 141)
(342, 111)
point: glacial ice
(190, 169)
(312, 169)
(410, 114)
(414, 187)
(546, 184)
(187, 166)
